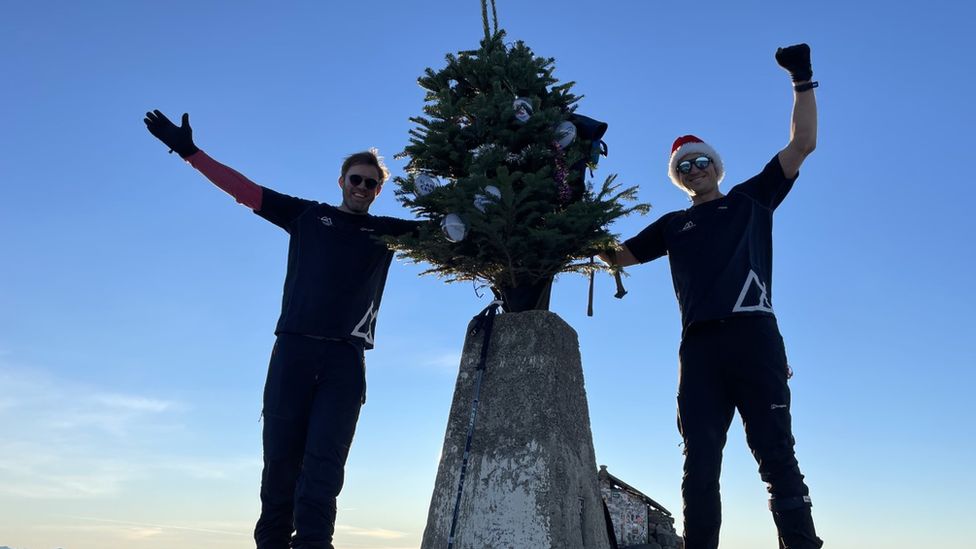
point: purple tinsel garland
(561, 175)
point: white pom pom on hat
(689, 144)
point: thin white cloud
(39, 401)
(212, 469)
(47, 487)
(447, 360)
(378, 533)
(242, 530)
(133, 403)
(115, 414)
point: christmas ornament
(424, 184)
(480, 150)
(523, 109)
(482, 200)
(565, 133)
(453, 228)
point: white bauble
(491, 194)
(453, 228)
(565, 133)
(425, 184)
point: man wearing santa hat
(732, 355)
(316, 381)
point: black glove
(177, 138)
(796, 60)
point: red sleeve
(228, 180)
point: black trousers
(731, 364)
(312, 398)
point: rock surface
(530, 479)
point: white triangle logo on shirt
(761, 304)
(367, 324)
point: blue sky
(137, 302)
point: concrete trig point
(531, 480)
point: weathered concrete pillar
(531, 480)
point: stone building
(638, 521)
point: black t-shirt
(721, 251)
(336, 267)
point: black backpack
(588, 129)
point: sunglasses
(701, 163)
(357, 179)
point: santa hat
(689, 144)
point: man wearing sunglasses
(731, 354)
(316, 380)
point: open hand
(177, 138)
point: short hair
(369, 157)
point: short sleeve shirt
(721, 251)
(337, 267)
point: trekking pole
(589, 299)
(483, 322)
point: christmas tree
(499, 160)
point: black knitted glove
(177, 138)
(796, 60)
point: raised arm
(180, 139)
(803, 127)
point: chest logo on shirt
(365, 327)
(688, 226)
(366, 229)
(753, 296)
(326, 220)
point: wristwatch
(806, 86)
